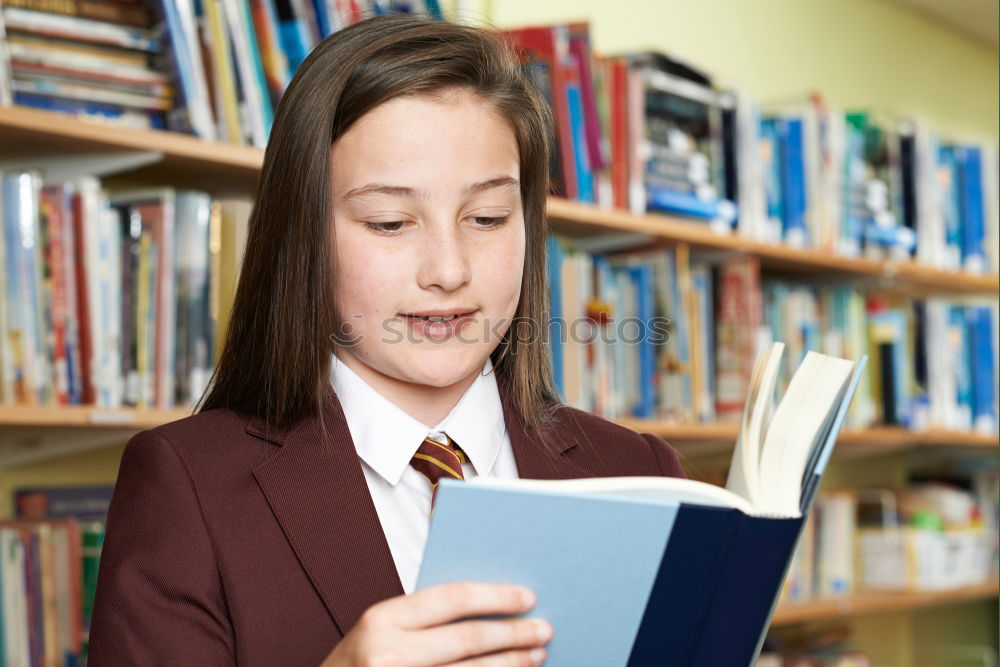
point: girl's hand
(417, 630)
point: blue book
(554, 261)
(642, 277)
(962, 363)
(686, 203)
(981, 335)
(773, 183)
(646, 571)
(293, 34)
(584, 174)
(973, 225)
(952, 206)
(793, 172)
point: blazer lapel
(317, 491)
(543, 453)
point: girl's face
(429, 238)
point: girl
(388, 313)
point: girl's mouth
(438, 326)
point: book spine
(557, 322)
(584, 175)
(109, 11)
(793, 171)
(51, 205)
(85, 30)
(973, 227)
(984, 419)
(746, 590)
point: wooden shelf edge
(115, 138)
(878, 437)
(874, 603)
(82, 416)
(87, 416)
(672, 229)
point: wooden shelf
(31, 434)
(86, 416)
(705, 439)
(30, 134)
(578, 219)
(27, 427)
(875, 603)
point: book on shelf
(670, 334)
(118, 303)
(848, 181)
(706, 564)
(49, 557)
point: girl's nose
(445, 263)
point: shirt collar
(386, 437)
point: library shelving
(30, 431)
(875, 603)
(702, 439)
(223, 168)
(35, 138)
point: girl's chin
(427, 372)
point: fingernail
(543, 630)
(528, 597)
(537, 655)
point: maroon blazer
(231, 544)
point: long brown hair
(275, 361)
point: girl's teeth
(440, 319)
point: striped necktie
(434, 460)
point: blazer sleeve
(159, 599)
(667, 456)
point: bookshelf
(30, 136)
(33, 137)
(877, 603)
(42, 425)
(226, 169)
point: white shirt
(386, 438)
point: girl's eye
(484, 221)
(386, 228)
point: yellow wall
(859, 53)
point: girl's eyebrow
(403, 191)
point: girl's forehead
(426, 143)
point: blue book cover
(323, 22)
(973, 220)
(554, 262)
(561, 536)
(773, 183)
(793, 172)
(962, 363)
(642, 278)
(293, 35)
(584, 174)
(952, 205)
(853, 233)
(981, 335)
(686, 203)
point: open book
(651, 570)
